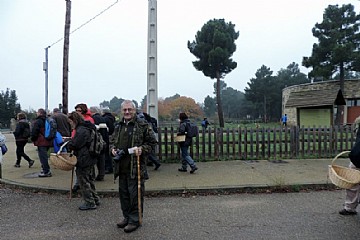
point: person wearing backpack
(86, 114)
(153, 123)
(22, 134)
(100, 124)
(42, 144)
(184, 146)
(205, 123)
(110, 123)
(80, 144)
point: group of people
(129, 142)
(129, 145)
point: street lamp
(46, 70)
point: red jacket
(38, 131)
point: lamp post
(46, 70)
(152, 85)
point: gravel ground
(304, 215)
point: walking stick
(139, 189)
(71, 182)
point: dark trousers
(44, 160)
(108, 159)
(100, 164)
(152, 157)
(20, 151)
(128, 192)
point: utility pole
(66, 57)
(152, 86)
(46, 70)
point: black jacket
(21, 127)
(80, 145)
(182, 131)
(110, 122)
(101, 125)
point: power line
(82, 25)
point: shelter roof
(316, 98)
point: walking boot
(122, 224)
(157, 165)
(193, 169)
(130, 228)
(87, 206)
(31, 163)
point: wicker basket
(62, 160)
(180, 138)
(343, 177)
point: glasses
(128, 109)
(78, 110)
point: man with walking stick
(131, 142)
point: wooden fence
(259, 143)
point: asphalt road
(305, 215)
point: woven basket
(343, 177)
(62, 160)
(180, 138)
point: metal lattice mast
(152, 88)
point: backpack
(97, 143)
(203, 123)
(50, 128)
(153, 122)
(191, 130)
(26, 132)
(2, 139)
(3, 149)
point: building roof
(316, 98)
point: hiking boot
(130, 228)
(99, 178)
(43, 174)
(75, 188)
(87, 206)
(182, 170)
(146, 175)
(157, 166)
(17, 165)
(122, 224)
(31, 163)
(346, 212)
(193, 169)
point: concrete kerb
(183, 192)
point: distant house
(316, 104)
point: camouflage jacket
(142, 136)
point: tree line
(335, 56)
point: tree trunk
(340, 108)
(218, 100)
(66, 56)
(265, 115)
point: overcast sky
(107, 56)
